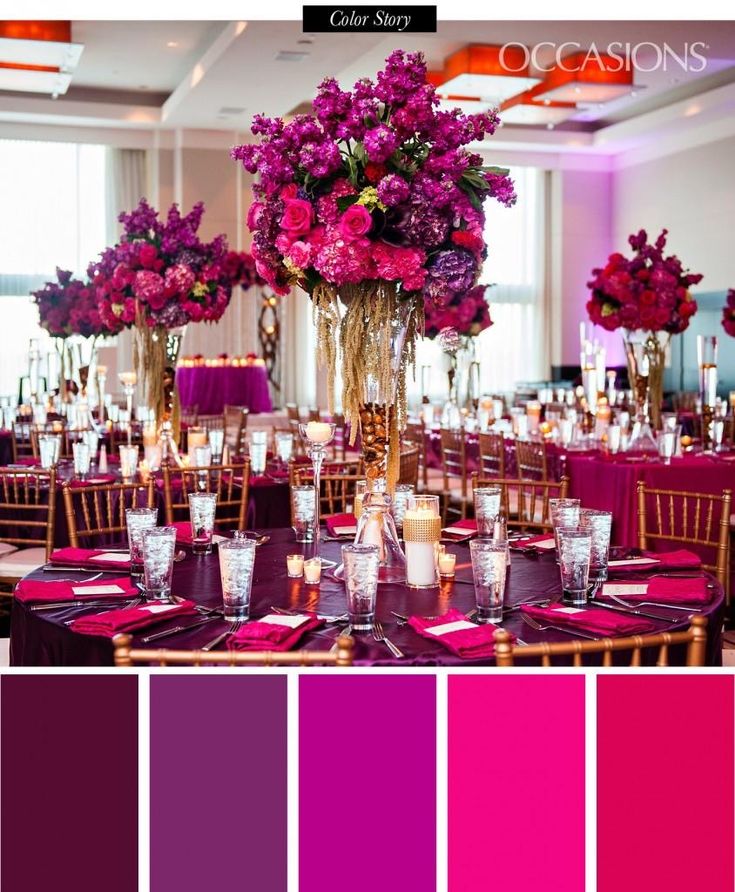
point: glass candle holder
(128, 462)
(313, 571)
(447, 564)
(400, 502)
(236, 563)
(317, 435)
(421, 532)
(303, 507)
(137, 521)
(295, 565)
(202, 509)
(159, 547)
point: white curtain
(299, 351)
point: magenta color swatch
(367, 783)
(516, 783)
(665, 783)
(69, 783)
(218, 783)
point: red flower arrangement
(647, 292)
(728, 313)
(468, 314)
(69, 307)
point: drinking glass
(49, 449)
(489, 569)
(613, 438)
(574, 563)
(92, 439)
(361, 563)
(564, 513)
(566, 431)
(598, 524)
(258, 456)
(284, 446)
(138, 520)
(202, 456)
(487, 509)
(666, 442)
(202, 508)
(236, 562)
(303, 512)
(159, 547)
(217, 444)
(400, 501)
(718, 432)
(81, 460)
(128, 461)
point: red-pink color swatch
(516, 783)
(665, 783)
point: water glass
(202, 456)
(303, 506)
(400, 501)
(159, 547)
(217, 444)
(236, 562)
(566, 431)
(128, 461)
(574, 563)
(258, 456)
(138, 520)
(92, 439)
(564, 513)
(718, 433)
(598, 524)
(614, 433)
(202, 508)
(666, 442)
(284, 446)
(361, 563)
(487, 509)
(49, 449)
(489, 570)
(81, 460)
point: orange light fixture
(522, 109)
(585, 77)
(37, 56)
(486, 72)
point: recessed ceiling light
(291, 56)
(172, 43)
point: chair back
(95, 514)
(26, 433)
(341, 436)
(526, 502)
(701, 520)
(189, 415)
(409, 466)
(292, 412)
(454, 457)
(415, 435)
(337, 484)
(492, 454)
(531, 459)
(230, 483)
(235, 421)
(694, 638)
(126, 655)
(28, 508)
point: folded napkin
(38, 591)
(543, 542)
(682, 559)
(94, 557)
(671, 591)
(341, 524)
(183, 533)
(274, 632)
(112, 622)
(463, 638)
(93, 481)
(460, 530)
(595, 620)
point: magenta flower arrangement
(646, 292)
(161, 274)
(68, 306)
(468, 314)
(728, 313)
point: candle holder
(101, 384)
(128, 381)
(421, 533)
(707, 362)
(376, 526)
(317, 435)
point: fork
(346, 631)
(650, 604)
(379, 635)
(234, 627)
(530, 621)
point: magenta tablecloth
(211, 388)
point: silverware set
(234, 627)
(539, 627)
(379, 635)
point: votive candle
(447, 564)
(318, 432)
(313, 570)
(295, 565)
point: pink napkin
(183, 532)
(86, 556)
(466, 526)
(93, 481)
(534, 542)
(111, 622)
(38, 591)
(340, 520)
(682, 559)
(273, 632)
(673, 591)
(595, 620)
(468, 641)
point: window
(53, 215)
(511, 350)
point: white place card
(112, 557)
(159, 608)
(216, 539)
(569, 610)
(277, 619)
(345, 531)
(446, 628)
(634, 562)
(544, 544)
(459, 531)
(97, 590)
(622, 590)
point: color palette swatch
(367, 783)
(69, 766)
(218, 783)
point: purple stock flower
(393, 190)
(449, 272)
(380, 143)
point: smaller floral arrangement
(728, 313)
(468, 314)
(68, 306)
(647, 292)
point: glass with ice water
(575, 547)
(489, 571)
(81, 459)
(303, 506)
(487, 509)
(202, 509)
(236, 562)
(361, 563)
(49, 449)
(159, 547)
(138, 520)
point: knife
(177, 629)
(66, 568)
(636, 612)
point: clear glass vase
(376, 526)
(646, 355)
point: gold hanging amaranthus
(149, 360)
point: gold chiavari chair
(531, 459)
(409, 465)
(231, 484)
(126, 655)
(314, 414)
(235, 421)
(454, 473)
(27, 521)
(25, 437)
(292, 412)
(415, 435)
(337, 485)
(492, 454)
(695, 639)
(701, 520)
(97, 512)
(54, 428)
(211, 422)
(189, 415)
(526, 502)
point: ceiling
(216, 75)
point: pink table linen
(211, 388)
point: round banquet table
(211, 388)
(42, 638)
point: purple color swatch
(218, 783)
(367, 783)
(69, 783)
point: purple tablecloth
(41, 638)
(211, 388)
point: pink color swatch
(516, 783)
(665, 783)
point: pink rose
(299, 254)
(289, 191)
(283, 242)
(255, 212)
(147, 255)
(297, 216)
(355, 222)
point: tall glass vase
(646, 355)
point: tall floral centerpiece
(373, 206)
(728, 313)
(159, 277)
(648, 297)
